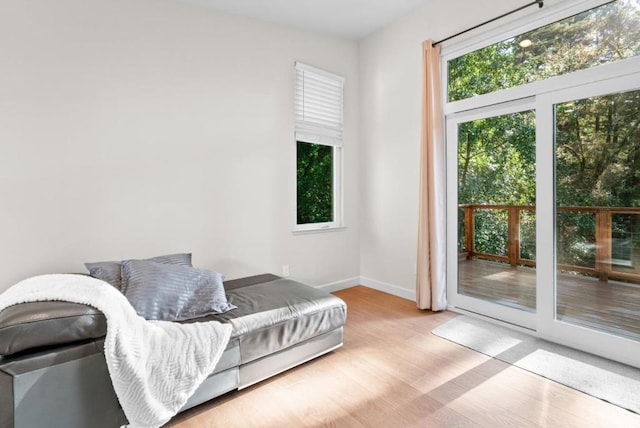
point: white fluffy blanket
(155, 366)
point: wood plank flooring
(392, 372)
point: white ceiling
(352, 19)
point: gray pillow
(111, 271)
(172, 292)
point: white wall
(133, 128)
(390, 104)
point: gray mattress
(279, 313)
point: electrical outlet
(285, 270)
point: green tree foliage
(315, 183)
(496, 160)
(598, 151)
(597, 139)
(601, 35)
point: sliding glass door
(495, 228)
(543, 179)
(545, 193)
(597, 187)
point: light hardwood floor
(392, 372)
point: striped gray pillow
(111, 271)
(172, 292)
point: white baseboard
(388, 288)
(340, 285)
(385, 287)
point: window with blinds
(319, 104)
(318, 132)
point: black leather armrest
(33, 325)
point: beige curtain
(431, 292)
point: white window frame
(314, 130)
(541, 95)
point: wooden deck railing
(603, 267)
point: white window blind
(318, 105)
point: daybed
(53, 371)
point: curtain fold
(431, 292)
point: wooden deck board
(610, 306)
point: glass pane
(598, 213)
(315, 183)
(496, 216)
(601, 35)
